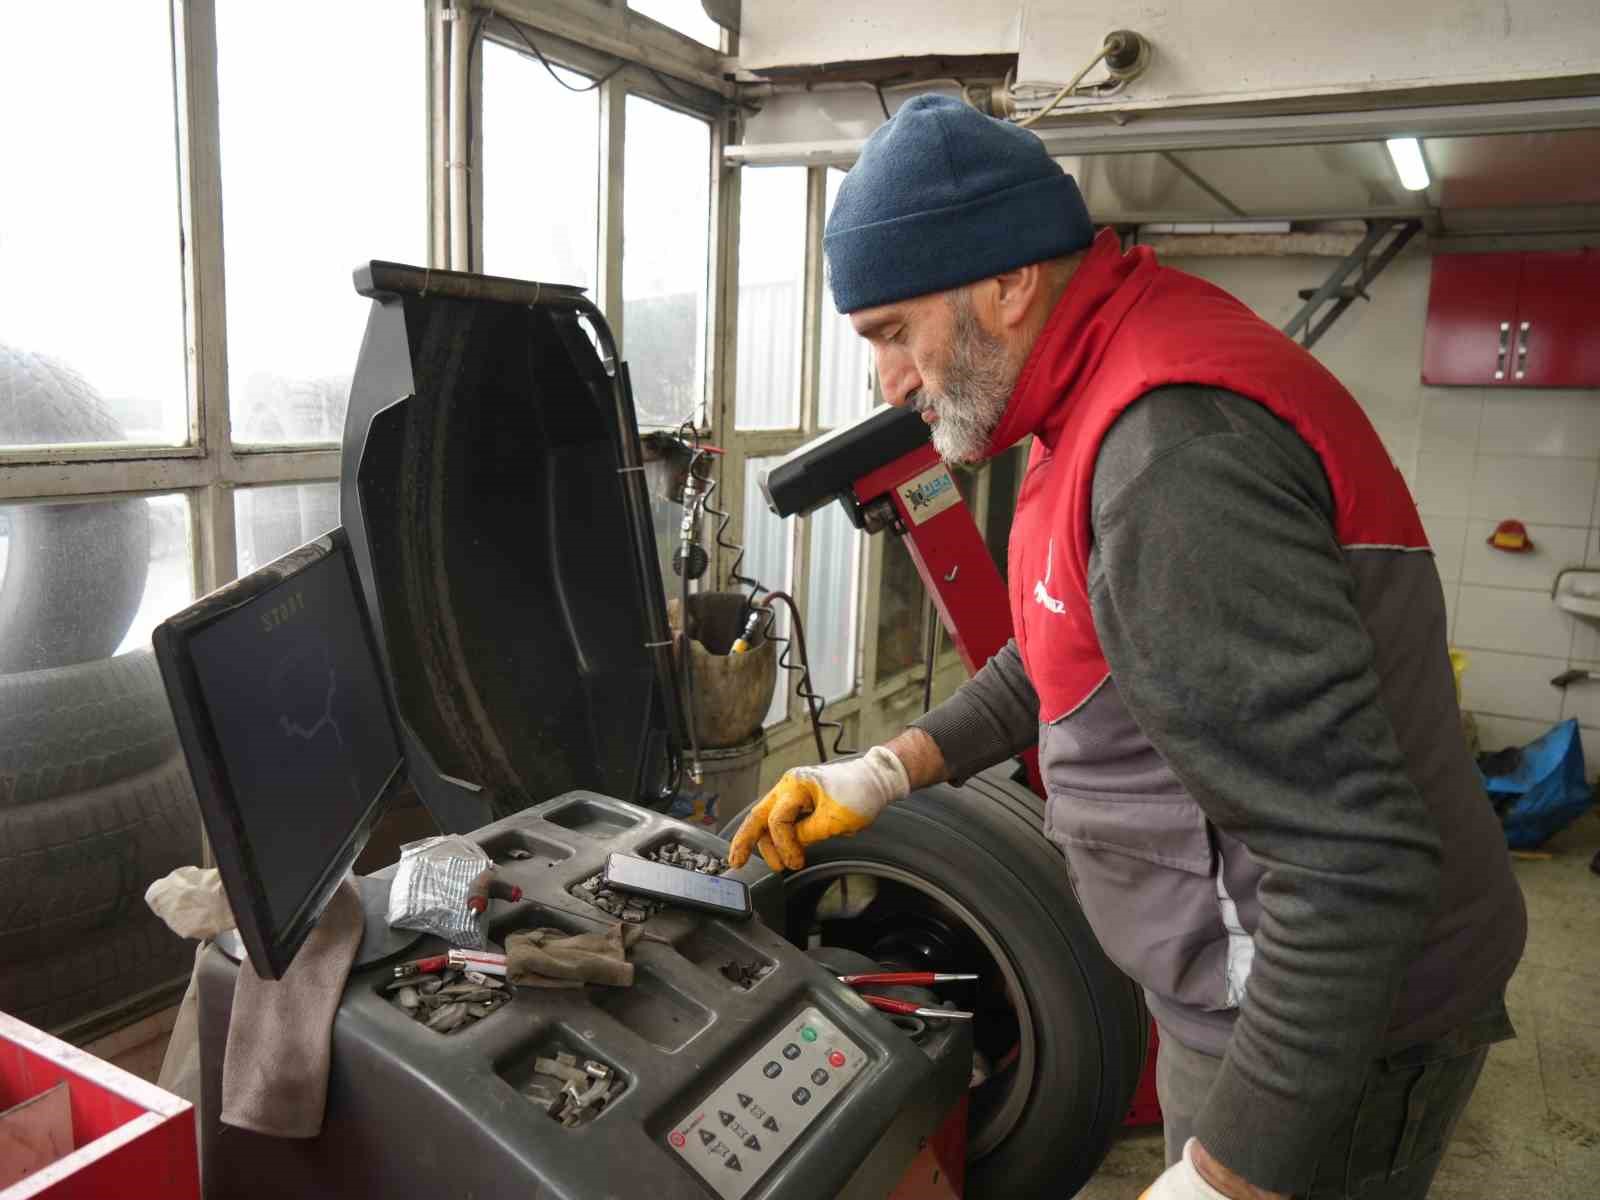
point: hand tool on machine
(907, 1008)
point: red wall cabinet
(1514, 320)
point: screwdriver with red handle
(908, 1008)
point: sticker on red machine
(929, 494)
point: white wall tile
(1554, 547)
(1512, 685)
(1592, 556)
(1585, 640)
(1446, 535)
(1517, 622)
(1496, 733)
(1444, 482)
(1591, 747)
(1536, 421)
(1553, 491)
(1582, 699)
(1450, 418)
(1400, 440)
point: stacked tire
(95, 799)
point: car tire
(103, 971)
(76, 728)
(95, 801)
(1088, 1021)
(75, 571)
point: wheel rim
(999, 1102)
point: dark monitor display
(284, 718)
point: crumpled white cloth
(191, 901)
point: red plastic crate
(131, 1138)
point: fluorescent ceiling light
(1407, 156)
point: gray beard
(977, 388)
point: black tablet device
(286, 722)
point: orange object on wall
(1512, 537)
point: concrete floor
(1532, 1130)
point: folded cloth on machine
(552, 958)
(275, 1069)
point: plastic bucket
(734, 775)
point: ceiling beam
(1218, 131)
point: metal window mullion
(613, 133)
(811, 299)
(474, 154)
(211, 507)
(438, 119)
(719, 380)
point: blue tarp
(1547, 791)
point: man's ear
(1015, 292)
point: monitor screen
(282, 709)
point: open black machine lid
(497, 511)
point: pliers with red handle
(907, 1008)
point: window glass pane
(772, 259)
(665, 255)
(271, 521)
(844, 387)
(90, 198)
(85, 580)
(323, 168)
(686, 16)
(97, 799)
(900, 611)
(541, 171)
(831, 602)
(769, 558)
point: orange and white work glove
(1182, 1181)
(811, 804)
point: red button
(677, 1139)
(836, 1060)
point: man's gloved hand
(810, 804)
(1182, 1181)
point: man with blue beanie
(1230, 652)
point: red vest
(1123, 327)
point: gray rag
(552, 958)
(275, 1071)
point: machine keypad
(718, 1137)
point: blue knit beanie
(943, 196)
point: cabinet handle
(1522, 348)
(1500, 359)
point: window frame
(660, 64)
(877, 706)
(656, 63)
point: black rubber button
(801, 1096)
(772, 1070)
(791, 1052)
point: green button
(807, 1034)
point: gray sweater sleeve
(991, 717)
(1230, 623)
